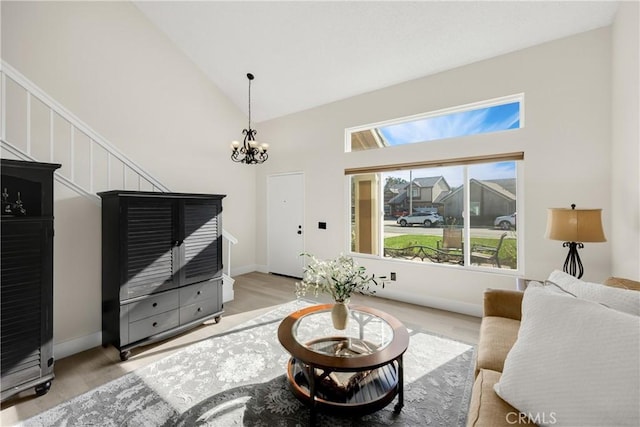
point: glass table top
(365, 334)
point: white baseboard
(434, 302)
(77, 345)
(262, 269)
(246, 269)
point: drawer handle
(155, 324)
(155, 304)
(198, 293)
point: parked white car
(426, 219)
(505, 222)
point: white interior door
(285, 215)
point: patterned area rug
(238, 379)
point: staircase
(35, 127)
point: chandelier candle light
(574, 226)
(250, 152)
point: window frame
(520, 230)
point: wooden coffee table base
(373, 393)
(357, 372)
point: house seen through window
(425, 217)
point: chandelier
(250, 152)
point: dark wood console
(161, 265)
(26, 286)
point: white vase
(340, 314)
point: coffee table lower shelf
(373, 393)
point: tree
(394, 180)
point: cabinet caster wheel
(217, 319)
(124, 355)
(42, 389)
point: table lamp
(574, 227)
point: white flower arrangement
(339, 277)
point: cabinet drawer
(200, 309)
(153, 325)
(12, 379)
(199, 292)
(153, 305)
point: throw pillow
(619, 299)
(549, 286)
(575, 363)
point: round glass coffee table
(353, 371)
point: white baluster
(51, 117)
(28, 122)
(73, 150)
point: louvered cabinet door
(148, 246)
(25, 292)
(201, 247)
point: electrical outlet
(393, 275)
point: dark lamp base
(572, 264)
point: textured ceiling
(304, 54)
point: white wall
(108, 65)
(566, 141)
(625, 142)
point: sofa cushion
(619, 299)
(619, 282)
(497, 336)
(487, 409)
(502, 303)
(575, 362)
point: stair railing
(131, 175)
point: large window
(461, 215)
(482, 117)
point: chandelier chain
(250, 78)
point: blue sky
(483, 120)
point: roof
(427, 182)
(492, 185)
(507, 184)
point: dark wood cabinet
(26, 286)
(161, 265)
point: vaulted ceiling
(309, 53)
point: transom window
(488, 116)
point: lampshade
(575, 225)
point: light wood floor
(255, 293)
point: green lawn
(508, 252)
